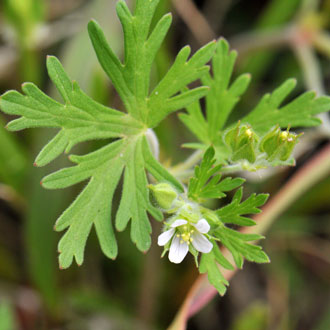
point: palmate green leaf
(232, 213)
(93, 205)
(223, 96)
(207, 181)
(80, 119)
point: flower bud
(242, 141)
(278, 144)
(164, 195)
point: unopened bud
(278, 145)
(164, 195)
(242, 141)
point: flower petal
(202, 226)
(165, 236)
(201, 243)
(178, 250)
(179, 222)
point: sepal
(242, 141)
(278, 145)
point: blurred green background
(276, 39)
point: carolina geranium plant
(178, 196)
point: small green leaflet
(237, 244)
(300, 112)
(223, 96)
(232, 213)
(207, 181)
(235, 241)
(81, 119)
(207, 184)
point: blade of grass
(39, 235)
(13, 160)
(312, 74)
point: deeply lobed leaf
(207, 181)
(221, 98)
(301, 112)
(93, 205)
(232, 213)
(80, 119)
(132, 78)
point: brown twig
(196, 22)
(259, 40)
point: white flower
(183, 234)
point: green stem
(184, 169)
(322, 43)
(310, 67)
(202, 292)
(30, 66)
(231, 168)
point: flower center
(185, 232)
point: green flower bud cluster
(255, 152)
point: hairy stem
(185, 169)
(202, 292)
